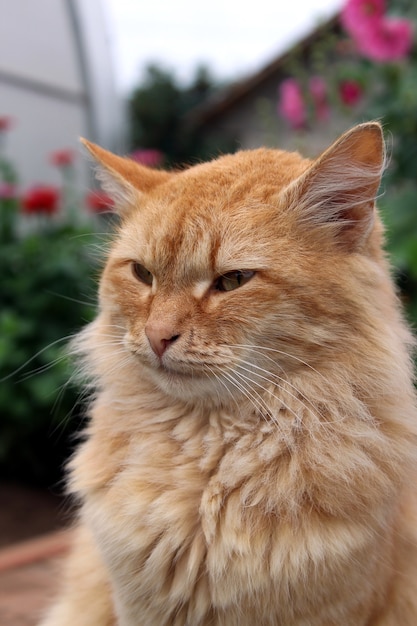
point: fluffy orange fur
(251, 454)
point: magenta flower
(359, 16)
(291, 103)
(391, 40)
(376, 36)
(151, 157)
(318, 91)
(350, 92)
(8, 191)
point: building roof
(232, 95)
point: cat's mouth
(172, 370)
(179, 373)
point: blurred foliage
(46, 295)
(388, 92)
(392, 92)
(158, 110)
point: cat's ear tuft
(123, 179)
(337, 193)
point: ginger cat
(251, 454)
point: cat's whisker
(111, 339)
(81, 399)
(128, 360)
(221, 381)
(118, 349)
(273, 378)
(275, 350)
(97, 235)
(109, 335)
(242, 389)
(32, 358)
(118, 326)
(268, 391)
(323, 423)
(261, 405)
(283, 380)
(64, 297)
(42, 368)
(257, 400)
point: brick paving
(29, 575)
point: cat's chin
(190, 385)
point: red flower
(99, 202)
(40, 199)
(350, 92)
(151, 157)
(5, 123)
(291, 103)
(318, 91)
(62, 158)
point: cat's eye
(233, 280)
(140, 272)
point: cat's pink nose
(160, 337)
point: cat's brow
(243, 262)
(200, 288)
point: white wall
(56, 82)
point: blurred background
(169, 84)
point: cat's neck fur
(251, 452)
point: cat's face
(223, 275)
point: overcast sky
(233, 37)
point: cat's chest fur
(208, 510)
(251, 453)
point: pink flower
(391, 40)
(151, 157)
(318, 91)
(40, 199)
(8, 191)
(62, 158)
(5, 123)
(99, 202)
(291, 103)
(358, 16)
(350, 92)
(376, 36)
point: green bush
(47, 269)
(159, 116)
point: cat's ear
(336, 195)
(123, 179)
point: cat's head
(256, 262)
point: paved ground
(29, 574)
(31, 549)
